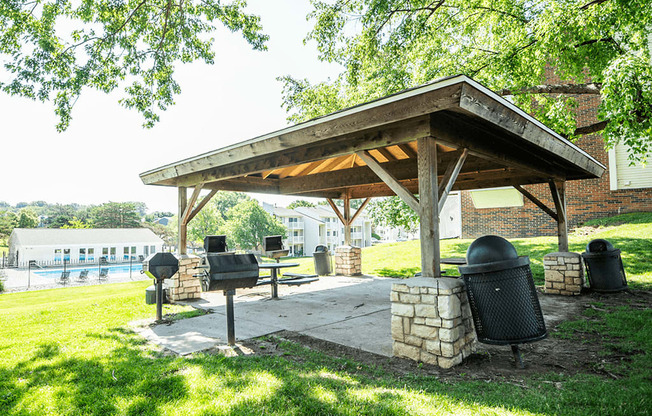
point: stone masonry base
(348, 261)
(183, 285)
(431, 321)
(564, 274)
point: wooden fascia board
(396, 133)
(482, 105)
(368, 116)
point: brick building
(621, 189)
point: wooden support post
(558, 190)
(428, 207)
(347, 218)
(183, 228)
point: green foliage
(224, 201)
(207, 222)
(393, 212)
(248, 223)
(167, 233)
(8, 221)
(387, 46)
(116, 215)
(53, 49)
(27, 218)
(77, 223)
(300, 203)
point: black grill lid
(162, 265)
(490, 249)
(599, 246)
(215, 243)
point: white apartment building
(309, 227)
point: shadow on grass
(134, 380)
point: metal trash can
(604, 267)
(150, 294)
(501, 293)
(322, 259)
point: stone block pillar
(564, 273)
(183, 285)
(431, 321)
(348, 261)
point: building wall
(45, 255)
(585, 199)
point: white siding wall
(624, 176)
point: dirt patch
(583, 353)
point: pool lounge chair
(64, 279)
(104, 274)
(83, 276)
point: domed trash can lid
(491, 253)
(599, 246)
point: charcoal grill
(273, 247)
(228, 272)
(160, 266)
(502, 296)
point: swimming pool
(93, 271)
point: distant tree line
(108, 215)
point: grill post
(159, 299)
(230, 319)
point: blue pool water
(93, 271)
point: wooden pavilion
(452, 134)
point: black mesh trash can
(322, 259)
(502, 297)
(604, 267)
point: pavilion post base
(184, 285)
(431, 321)
(563, 273)
(348, 261)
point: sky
(99, 158)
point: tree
(53, 49)
(224, 201)
(599, 47)
(8, 221)
(27, 218)
(207, 222)
(116, 215)
(393, 212)
(248, 223)
(300, 203)
(77, 223)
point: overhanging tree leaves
(599, 47)
(53, 49)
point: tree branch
(592, 128)
(590, 88)
(592, 3)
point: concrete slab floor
(353, 311)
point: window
(82, 254)
(57, 254)
(91, 254)
(66, 254)
(133, 250)
(296, 234)
(497, 198)
(146, 251)
(113, 253)
(125, 252)
(152, 249)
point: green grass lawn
(632, 235)
(71, 351)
